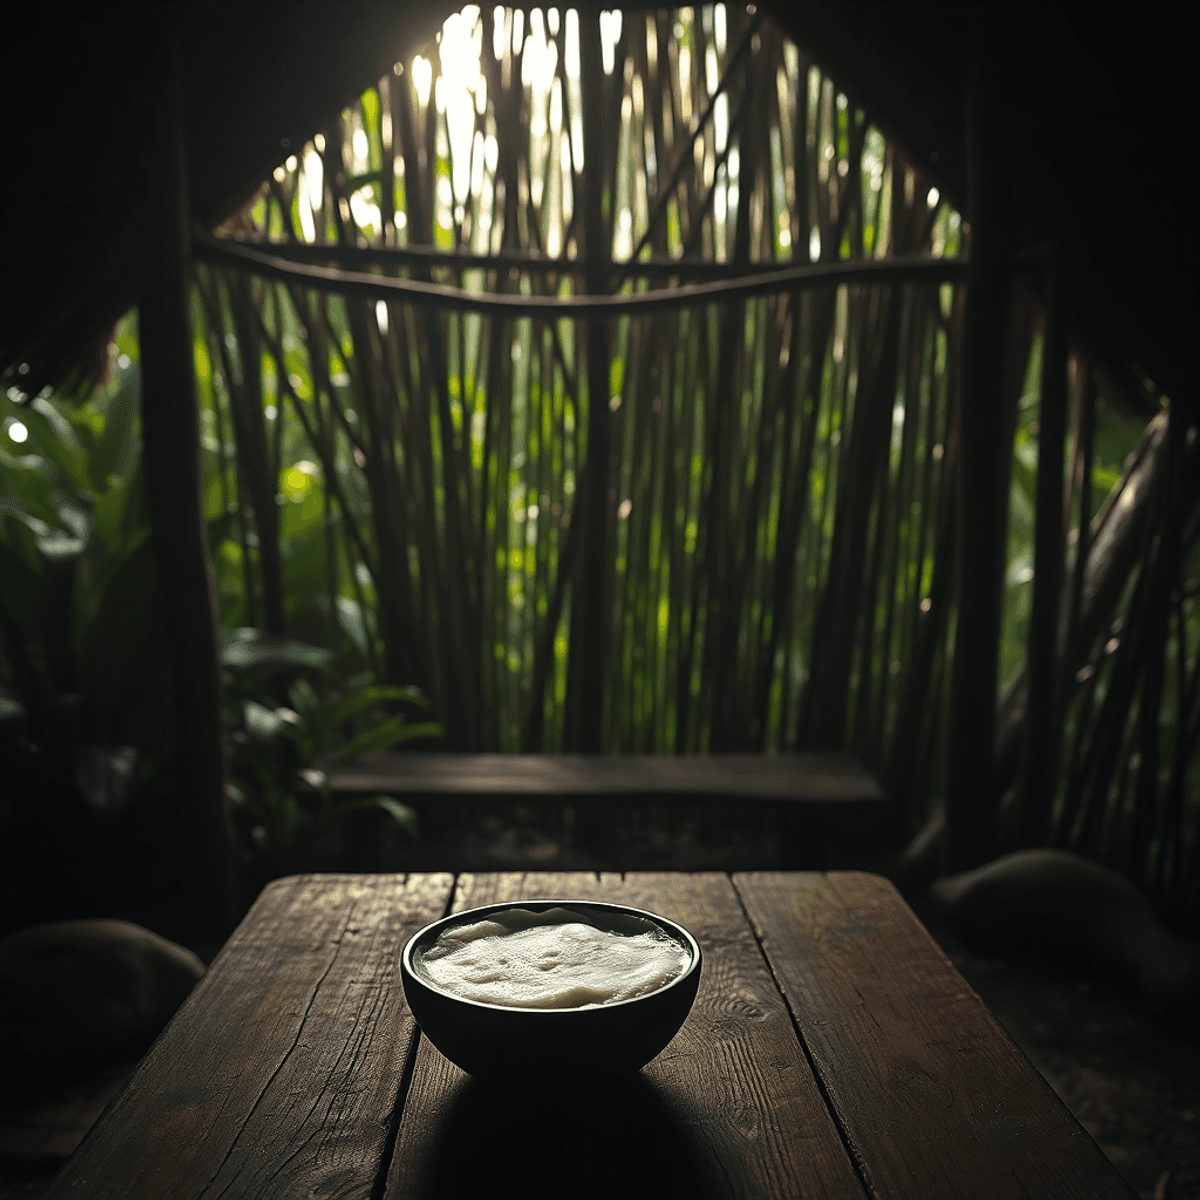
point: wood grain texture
(932, 1095)
(781, 777)
(280, 1074)
(729, 1109)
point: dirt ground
(1131, 1082)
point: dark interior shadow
(601, 1137)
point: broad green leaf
(351, 619)
(25, 481)
(244, 649)
(348, 706)
(260, 722)
(52, 436)
(315, 779)
(61, 539)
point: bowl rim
(671, 927)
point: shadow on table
(607, 1137)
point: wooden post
(971, 796)
(588, 668)
(195, 862)
(1039, 760)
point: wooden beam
(195, 861)
(752, 281)
(763, 777)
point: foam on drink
(553, 959)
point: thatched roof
(1096, 110)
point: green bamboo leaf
(389, 733)
(341, 709)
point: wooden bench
(825, 809)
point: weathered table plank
(932, 1095)
(730, 1108)
(279, 1075)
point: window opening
(778, 457)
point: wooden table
(833, 1051)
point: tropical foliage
(85, 694)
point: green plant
(78, 638)
(280, 795)
(84, 701)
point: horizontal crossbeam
(877, 272)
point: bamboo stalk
(900, 514)
(460, 600)
(1117, 536)
(1040, 757)
(395, 595)
(260, 466)
(589, 643)
(1165, 559)
(1083, 460)
(691, 395)
(255, 476)
(1066, 830)
(249, 588)
(1101, 760)
(686, 156)
(909, 738)
(1172, 883)
(722, 517)
(833, 634)
(324, 450)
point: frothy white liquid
(552, 959)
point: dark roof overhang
(1095, 95)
